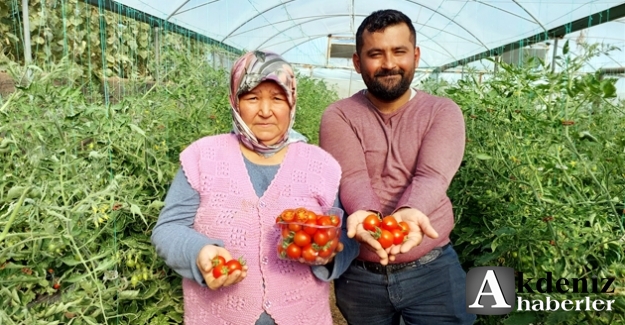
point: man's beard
(382, 90)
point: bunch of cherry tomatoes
(223, 267)
(307, 237)
(387, 231)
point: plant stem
(14, 214)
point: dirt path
(336, 314)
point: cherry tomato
(220, 270)
(389, 223)
(311, 216)
(301, 215)
(404, 227)
(324, 221)
(398, 236)
(295, 227)
(332, 232)
(234, 265)
(386, 238)
(334, 243)
(288, 215)
(56, 286)
(325, 251)
(310, 227)
(309, 253)
(218, 260)
(371, 222)
(321, 237)
(301, 238)
(335, 220)
(286, 233)
(293, 251)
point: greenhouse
(98, 98)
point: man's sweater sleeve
(174, 237)
(337, 137)
(440, 156)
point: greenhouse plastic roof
(447, 31)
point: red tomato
(286, 233)
(404, 227)
(301, 238)
(371, 222)
(386, 238)
(309, 253)
(389, 223)
(332, 232)
(324, 221)
(218, 260)
(311, 216)
(334, 244)
(234, 265)
(398, 236)
(301, 215)
(295, 227)
(311, 227)
(326, 251)
(288, 215)
(293, 251)
(220, 270)
(281, 251)
(56, 286)
(321, 237)
(335, 220)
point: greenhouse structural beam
(154, 21)
(595, 19)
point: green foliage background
(541, 188)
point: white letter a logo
(495, 291)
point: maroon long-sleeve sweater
(406, 158)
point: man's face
(387, 62)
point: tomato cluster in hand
(307, 237)
(387, 231)
(223, 267)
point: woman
(225, 199)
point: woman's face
(266, 111)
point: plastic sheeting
(446, 30)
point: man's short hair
(379, 20)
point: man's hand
(356, 230)
(204, 262)
(419, 225)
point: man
(399, 149)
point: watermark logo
(490, 290)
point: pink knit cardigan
(230, 210)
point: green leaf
(565, 49)
(525, 318)
(608, 89)
(134, 209)
(483, 156)
(559, 317)
(136, 129)
(505, 231)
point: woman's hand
(204, 263)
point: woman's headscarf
(247, 73)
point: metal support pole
(555, 53)
(157, 52)
(27, 49)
